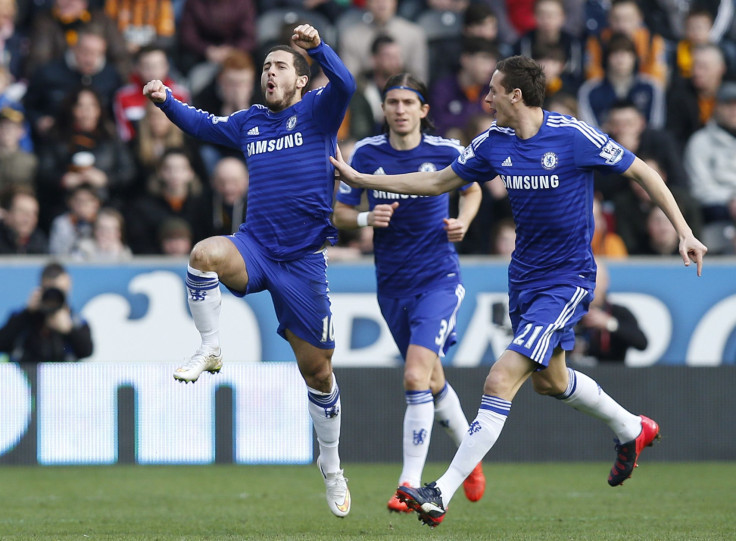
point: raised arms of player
(690, 247)
(419, 183)
(219, 130)
(332, 101)
(346, 216)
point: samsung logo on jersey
(379, 194)
(272, 145)
(530, 182)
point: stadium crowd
(91, 171)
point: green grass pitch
(550, 501)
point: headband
(401, 87)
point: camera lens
(52, 299)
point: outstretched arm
(691, 249)
(419, 183)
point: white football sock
(482, 435)
(449, 414)
(585, 395)
(418, 420)
(325, 411)
(204, 301)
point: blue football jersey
(549, 178)
(291, 178)
(413, 254)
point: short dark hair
(525, 74)
(52, 271)
(476, 13)
(379, 41)
(474, 45)
(407, 79)
(300, 63)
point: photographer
(47, 330)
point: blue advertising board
(138, 312)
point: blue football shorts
(544, 318)
(298, 290)
(427, 319)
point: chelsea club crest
(427, 167)
(549, 160)
(291, 123)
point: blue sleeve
(220, 130)
(596, 150)
(331, 101)
(471, 165)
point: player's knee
(547, 387)
(496, 384)
(319, 377)
(206, 255)
(415, 379)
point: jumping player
(418, 301)
(281, 245)
(546, 161)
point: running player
(418, 301)
(546, 161)
(281, 245)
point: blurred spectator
(73, 226)
(11, 95)
(56, 30)
(85, 67)
(47, 330)
(176, 191)
(16, 165)
(621, 81)
(628, 126)
(605, 243)
(458, 97)
(699, 31)
(386, 62)
(209, 30)
(549, 34)
(710, 160)
(669, 17)
(229, 182)
(633, 205)
(625, 17)
(175, 237)
(663, 238)
(231, 90)
(503, 238)
(331, 9)
(108, 239)
(480, 21)
(154, 135)
(690, 102)
(129, 104)
(13, 40)
(143, 23)
(564, 103)
(355, 50)
(83, 148)
(552, 59)
(19, 231)
(608, 330)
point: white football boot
(338, 494)
(201, 361)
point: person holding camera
(46, 330)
